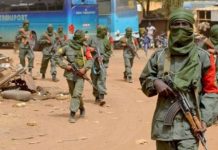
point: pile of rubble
(17, 84)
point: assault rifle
(132, 48)
(189, 113)
(77, 73)
(31, 40)
(53, 46)
(100, 62)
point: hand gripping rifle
(76, 72)
(132, 48)
(100, 61)
(189, 113)
(53, 47)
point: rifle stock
(183, 104)
(133, 50)
(84, 76)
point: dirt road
(122, 124)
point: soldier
(101, 57)
(49, 44)
(182, 64)
(61, 37)
(79, 56)
(211, 88)
(130, 46)
(26, 41)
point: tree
(169, 5)
(142, 2)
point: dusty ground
(121, 125)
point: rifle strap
(83, 56)
(166, 70)
(134, 45)
(167, 63)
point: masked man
(49, 44)
(101, 55)
(175, 73)
(26, 43)
(79, 61)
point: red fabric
(111, 40)
(136, 42)
(88, 53)
(209, 79)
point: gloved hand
(163, 89)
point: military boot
(129, 79)
(124, 76)
(43, 76)
(97, 100)
(82, 112)
(30, 71)
(72, 118)
(54, 78)
(102, 101)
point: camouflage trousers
(76, 90)
(128, 62)
(99, 81)
(44, 64)
(30, 56)
(188, 144)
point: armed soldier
(61, 37)
(130, 46)
(175, 74)
(49, 44)
(79, 61)
(210, 80)
(101, 55)
(26, 41)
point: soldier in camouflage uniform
(101, 56)
(61, 37)
(211, 45)
(184, 64)
(49, 44)
(128, 42)
(79, 55)
(26, 42)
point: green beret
(26, 22)
(128, 29)
(181, 14)
(78, 35)
(214, 34)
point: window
(104, 6)
(79, 2)
(125, 5)
(204, 15)
(31, 5)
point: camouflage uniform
(211, 91)
(128, 55)
(102, 46)
(26, 40)
(186, 72)
(76, 53)
(61, 37)
(48, 40)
